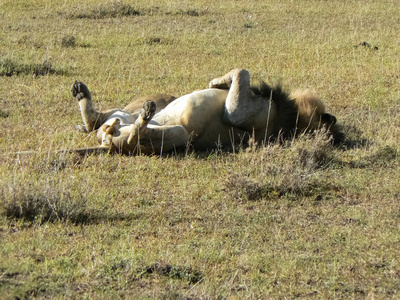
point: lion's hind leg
(223, 82)
(241, 106)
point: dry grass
(302, 220)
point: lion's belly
(194, 111)
(201, 114)
(124, 117)
(125, 121)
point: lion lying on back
(227, 114)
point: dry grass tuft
(189, 12)
(68, 41)
(313, 151)
(112, 9)
(9, 67)
(241, 188)
(40, 206)
(173, 272)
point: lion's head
(312, 115)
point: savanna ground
(303, 220)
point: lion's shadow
(353, 138)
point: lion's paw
(218, 84)
(79, 90)
(148, 110)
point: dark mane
(286, 108)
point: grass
(303, 220)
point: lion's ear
(328, 119)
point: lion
(227, 114)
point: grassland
(306, 220)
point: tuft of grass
(173, 272)
(68, 41)
(4, 114)
(313, 151)
(151, 41)
(112, 9)
(250, 24)
(181, 12)
(241, 188)
(30, 205)
(9, 67)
